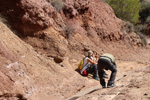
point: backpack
(80, 65)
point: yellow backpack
(80, 65)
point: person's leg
(102, 79)
(92, 70)
(113, 69)
(101, 72)
(105, 75)
(89, 70)
(105, 64)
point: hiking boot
(111, 85)
(96, 77)
(104, 86)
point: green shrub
(58, 4)
(144, 5)
(126, 9)
(144, 11)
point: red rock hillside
(38, 60)
(27, 75)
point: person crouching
(107, 61)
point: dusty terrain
(29, 75)
(132, 84)
(39, 59)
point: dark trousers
(92, 70)
(105, 64)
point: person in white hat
(89, 65)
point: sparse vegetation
(140, 28)
(148, 20)
(143, 38)
(144, 11)
(136, 14)
(129, 27)
(58, 4)
(126, 9)
(68, 31)
(144, 18)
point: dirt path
(132, 84)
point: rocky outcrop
(94, 17)
(50, 43)
(87, 15)
(30, 16)
(28, 75)
(79, 26)
(44, 69)
(79, 21)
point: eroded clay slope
(26, 74)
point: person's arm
(114, 62)
(91, 61)
(96, 57)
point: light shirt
(86, 64)
(108, 57)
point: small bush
(58, 4)
(143, 38)
(144, 5)
(68, 31)
(129, 27)
(148, 20)
(140, 28)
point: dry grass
(58, 4)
